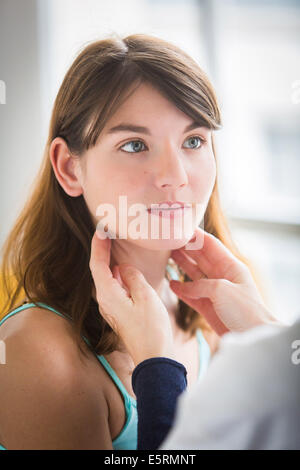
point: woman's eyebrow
(144, 130)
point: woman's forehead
(146, 108)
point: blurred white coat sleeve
(248, 399)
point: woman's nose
(170, 172)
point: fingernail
(101, 235)
(190, 241)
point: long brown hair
(46, 255)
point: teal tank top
(127, 439)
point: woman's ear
(66, 167)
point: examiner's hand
(222, 288)
(130, 305)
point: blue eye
(136, 146)
(194, 140)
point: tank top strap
(171, 273)
(39, 304)
(128, 399)
(204, 353)
(28, 305)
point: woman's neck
(152, 264)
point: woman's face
(161, 161)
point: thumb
(117, 275)
(196, 289)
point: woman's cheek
(202, 178)
(109, 187)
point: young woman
(133, 117)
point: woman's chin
(162, 244)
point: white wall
(20, 116)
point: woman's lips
(169, 212)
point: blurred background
(250, 50)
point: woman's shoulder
(29, 314)
(40, 339)
(46, 338)
(45, 376)
(37, 327)
(40, 343)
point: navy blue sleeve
(157, 382)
